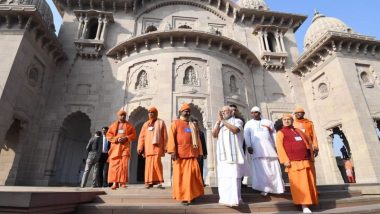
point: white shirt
(105, 145)
(259, 137)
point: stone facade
(136, 53)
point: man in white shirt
(265, 170)
(231, 162)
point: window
(272, 44)
(33, 76)
(150, 28)
(233, 87)
(142, 80)
(92, 29)
(190, 77)
(185, 26)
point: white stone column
(80, 26)
(266, 41)
(278, 45)
(282, 42)
(100, 23)
(84, 30)
(105, 23)
(261, 42)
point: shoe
(160, 186)
(113, 187)
(123, 186)
(264, 193)
(185, 203)
(306, 209)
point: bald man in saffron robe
(120, 134)
(185, 147)
(152, 143)
(295, 151)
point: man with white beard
(265, 170)
(231, 162)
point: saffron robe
(302, 181)
(153, 145)
(307, 127)
(119, 153)
(187, 179)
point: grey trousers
(95, 178)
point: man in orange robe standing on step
(307, 127)
(185, 147)
(152, 143)
(120, 134)
(295, 151)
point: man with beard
(152, 143)
(185, 147)
(231, 161)
(265, 171)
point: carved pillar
(84, 30)
(100, 23)
(266, 41)
(282, 42)
(261, 43)
(105, 23)
(80, 28)
(278, 45)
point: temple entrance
(342, 153)
(8, 155)
(137, 163)
(73, 138)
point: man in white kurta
(265, 169)
(231, 162)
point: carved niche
(366, 75)
(233, 82)
(190, 74)
(141, 78)
(321, 87)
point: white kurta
(265, 169)
(231, 163)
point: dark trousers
(200, 162)
(89, 164)
(103, 170)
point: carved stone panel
(366, 76)
(142, 79)
(184, 22)
(321, 87)
(233, 81)
(190, 75)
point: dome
(322, 24)
(253, 4)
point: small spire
(317, 15)
(316, 12)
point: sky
(362, 16)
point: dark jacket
(94, 147)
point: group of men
(294, 145)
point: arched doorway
(137, 163)
(74, 136)
(8, 153)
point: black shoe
(185, 203)
(160, 186)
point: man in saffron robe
(307, 127)
(185, 147)
(231, 162)
(120, 134)
(295, 151)
(152, 143)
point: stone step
(202, 207)
(166, 197)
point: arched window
(272, 42)
(185, 26)
(365, 78)
(233, 87)
(92, 28)
(142, 80)
(190, 77)
(33, 76)
(150, 28)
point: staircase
(137, 199)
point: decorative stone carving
(365, 75)
(233, 87)
(142, 80)
(184, 22)
(190, 77)
(232, 76)
(321, 87)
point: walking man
(103, 164)
(94, 148)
